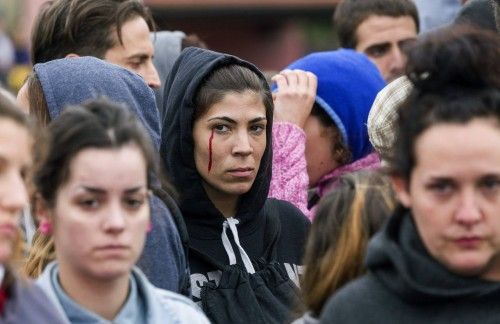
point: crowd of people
(147, 179)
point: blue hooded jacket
(348, 83)
(71, 81)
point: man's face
(381, 39)
(137, 51)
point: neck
(105, 297)
(225, 203)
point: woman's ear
(72, 55)
(42, 211)
(402, 190)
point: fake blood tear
(210, 151)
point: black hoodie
(204, 221)
(406, 285)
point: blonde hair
(41, 253)
(346, 218)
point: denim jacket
(162, 306)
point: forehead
(108, 168)
(135, 39)
(459, 148)
(385, 29)
(238, 104)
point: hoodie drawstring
(231, 223)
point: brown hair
(227, 79)
(339, 149)
(346, 218)
(83, 27)
(349, 14)
(36, 99)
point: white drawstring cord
(231, 223)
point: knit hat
(347, 85)
(71, 81)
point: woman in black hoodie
(245, 249)
(438, 259)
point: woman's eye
(221, 128)
(89, 203)
(257, 129)
(441, 187)
(134, 203)
(490, 184)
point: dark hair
(96, 124)
(231, 78)
(349, 14)
(345, 220)
(192, 40)
(456, 76)
(84, 27)
(339, 149)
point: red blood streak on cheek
(210, 151)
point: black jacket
(406, 285)
(204, 222)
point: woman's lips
(468, 242)
(112, 249)
(241, 172)
(8, 230)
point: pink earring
(45, 227)
(150, 227)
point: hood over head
(398, 258)
(177, 147)
(348, 83)
(71, 81)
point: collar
(330, 180)
(133, 308)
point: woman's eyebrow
(103, 191)
(258, 119)
(224, 118)
(232, 121)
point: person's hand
(294, 97)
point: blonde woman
(20, 302)
(346, 219)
